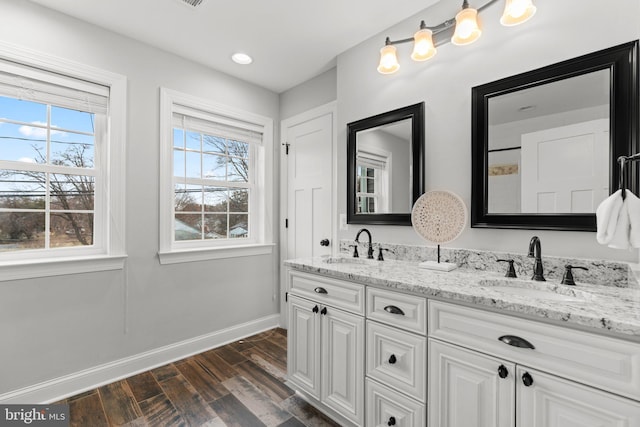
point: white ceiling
(290, 41)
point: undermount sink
(348, 260)
(537, 290)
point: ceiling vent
(193, 3)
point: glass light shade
(423, 47)
(517, 11)
(467, 28)
(388, 60)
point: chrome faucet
(370, 250)
(535, 250)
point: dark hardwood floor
(238, 385)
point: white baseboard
(88, 379)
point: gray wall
(560, 30)
(313, 93)
(55, 326)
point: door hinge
(286, 223)
(286, 147)
(286, 297)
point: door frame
(329, 108)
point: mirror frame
(621, 61)
(414, 112)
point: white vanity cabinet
(325, 351)
(555, 377)
(396, 359)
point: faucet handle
(567, 278)
(511, 271)
(355, 251)
(380, 249)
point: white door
(303, 351)
(549, 401)
(566, 169)
(466, 388)
(342, 363)
(307, 181)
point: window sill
(46, 267)
(192, 255)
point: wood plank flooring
(238, 385)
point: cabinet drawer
(397, 359)
(603, 362)
(388, 407)
(397, 309)
(337, 293)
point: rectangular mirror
(385, 166)
(545, 143)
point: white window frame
(381, 179)
(108, 251)
(261, 207)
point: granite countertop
(594, 307)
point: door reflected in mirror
(383, 169)
(548, 147)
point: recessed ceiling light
(241, 58)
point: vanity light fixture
(467, 30)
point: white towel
(633, 210)
(607, 217)
(620, 238)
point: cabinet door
(343, 363)
(466, 388)
(303, 348)
(550, 401)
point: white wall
(560, 30)
(55, 326)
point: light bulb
(517, 11)
(388, 60)
(423, 48)
(467, 29)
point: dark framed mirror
(385, 166)
(545, 143)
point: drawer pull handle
(320, 290)
(516, 341)
(392, 359)
(323, 311)
(393, 310)
(392, 421)
(527, 380)
(315, 309)
(503, 372)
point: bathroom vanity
(386, 343)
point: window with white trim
(372, 182)
(58, 198)
(214, 185)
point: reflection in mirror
(382, 175)
(385, 166)
(548, 147)
(545, 142)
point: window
(58, 201)
(372, 181)
(214, 192)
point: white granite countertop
(604, 309)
